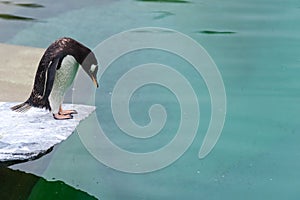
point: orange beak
(95, 81)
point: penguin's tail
(23, 107)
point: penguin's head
(90, 66)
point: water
(255, 45)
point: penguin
(55, 74)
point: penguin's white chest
(64, 78)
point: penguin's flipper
(50, 78)
(23, 107)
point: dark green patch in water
(20, 185)
(15, 17)
(215, 32)
(28, 5)
(165, 1)
(162, 14)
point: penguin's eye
(93, 68)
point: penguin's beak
(95, 81)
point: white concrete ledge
(25, 136)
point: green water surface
(256, 46)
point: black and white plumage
(55, 74)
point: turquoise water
(255, 45)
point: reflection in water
(216, 32)
(29, 5)
(162, 14)
(15, 17)
(165, 1)
(20, 185)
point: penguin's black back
(57, 50)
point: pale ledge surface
(17, 70)
(24, 136)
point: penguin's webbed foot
(67, 112)
(62, 117)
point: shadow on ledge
(13, 162)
